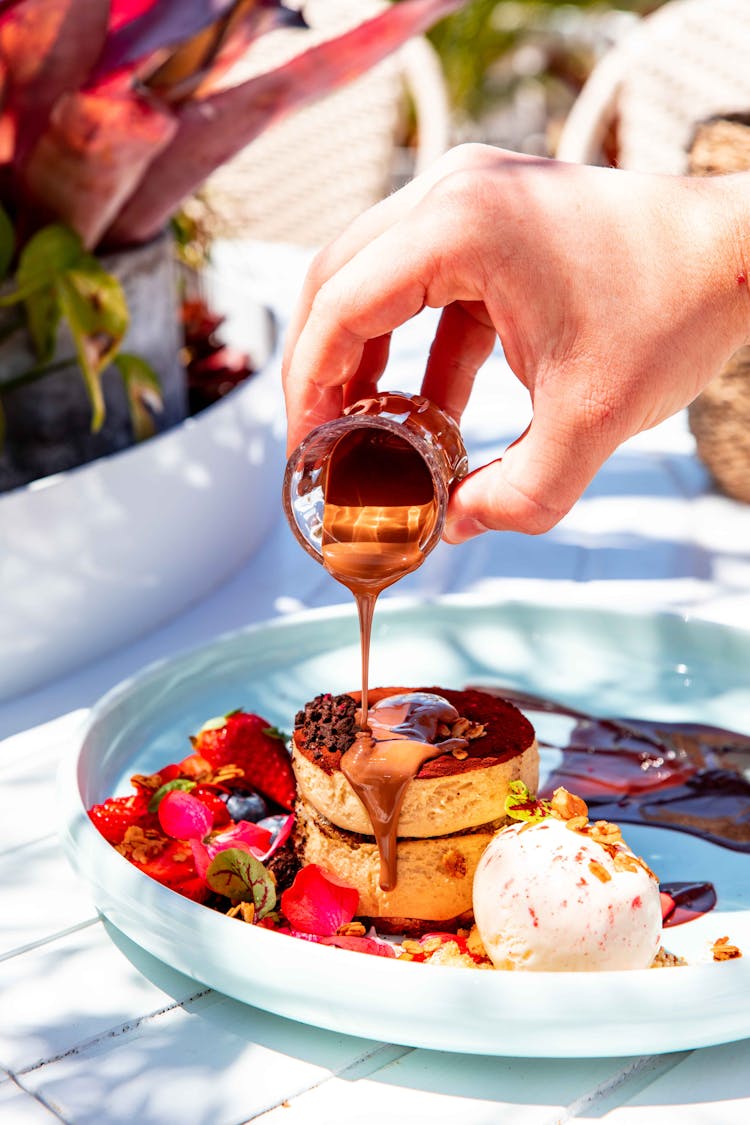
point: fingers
(535, 484)
(358, 234)
(346, 335)
(362, 287)
(464, 340)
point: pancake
(451, 807)
(449, 793)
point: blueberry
(246, 804)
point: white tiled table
(93, 1030)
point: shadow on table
(365, 1081)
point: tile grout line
(39, 1100)
(112, 1033)
(50, 938)
(382, 1055)
(639, 1074)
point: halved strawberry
(248, 741)
(114, 816)
(174, 867)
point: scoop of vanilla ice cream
(549, 898)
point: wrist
(727, 198)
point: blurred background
(513, 68)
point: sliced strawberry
(114, 816)
(668, 905)
(248, 742)
(211, 799)
(174, 867)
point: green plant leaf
(238, 875)
(45, 257)
(94, 305)
(7, 242)
(143, 388)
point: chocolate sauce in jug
(384, 501)
(380, 510)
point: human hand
(616, 296)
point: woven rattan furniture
(305, 178)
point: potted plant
(113, 112)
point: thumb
(529, 489)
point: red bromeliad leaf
(92, 157)
(184, 817)
(197, 63)
(318, 902)
(141, 28)
(211, 131)
(48, 48)
(123, 11)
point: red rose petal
(318, 902)
(360, 945)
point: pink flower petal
(251, 837)
(184, 817)
(360, 945)
(318, 902)
(373, 945)
(245, 835)
(280, 829)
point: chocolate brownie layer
(326, 727)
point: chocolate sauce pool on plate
(689, 777)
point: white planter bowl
(93, 558)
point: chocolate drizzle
(688, 777)
(384, 759)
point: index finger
(378, 289)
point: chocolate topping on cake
(327, 726)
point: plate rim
(96, 855)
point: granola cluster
(574, 812)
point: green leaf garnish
(238, 875)
(274, 732)
(183, 783)
(521, 804)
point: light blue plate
(656, 666)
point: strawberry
(174, 867)
(247, 741)
(211, 799)
(114, 816)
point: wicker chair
(686, 62)
(674, 96)
(305, 178)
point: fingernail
(463, 528)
